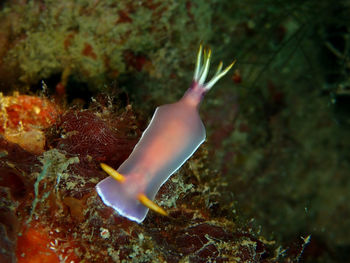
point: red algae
(123, 17)
(137, 62)
(76, 208)
(9, 227)
(88, 51)
(15, 163)
(86, 134)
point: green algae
(54, 164)
(92, 38)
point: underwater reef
(51, 212)
(79, 81)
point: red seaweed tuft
(87, 135)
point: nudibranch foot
(133, 208)
(114, 194)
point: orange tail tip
(113, 173)
(151, 205)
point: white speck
(62, 259)
(104, 233)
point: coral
(23, 117)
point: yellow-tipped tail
(141, 197)
(151, 205)
(117, 176)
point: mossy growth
(99, 41)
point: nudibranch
(173, 135)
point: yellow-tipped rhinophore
(117, 176)
(151, 205)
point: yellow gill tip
(229, 67)
(201, 47)
(117, 176)
(232, 64)
(151, 205)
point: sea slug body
(173, 135)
